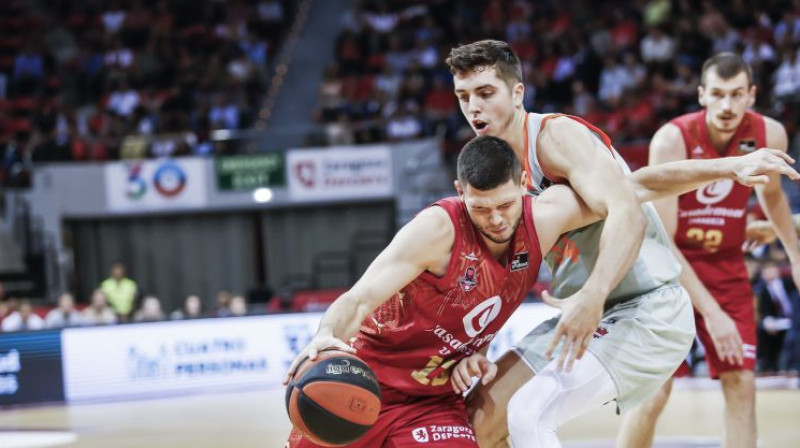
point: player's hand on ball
(311, 351)
(580, 317)
(476, 365)
(755, 168)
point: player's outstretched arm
(773, 201)
(424, 243)
(681, 176)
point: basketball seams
(333, 400)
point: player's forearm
(343, 318)
(776, 207)
(620, 242)
(678, 177)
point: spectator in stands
(150, 311)
(777, 300)
(192, 309)
(120, 290)
(787, 77)
(404, 123)
(28, 75)
(123, 100)
(223, 304)
(65, 315)
(238, 306)
(224, 114)
(23, 319)
(98, 312)
(657, 47)
(114, 18)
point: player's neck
(515, 135)
(498, 250)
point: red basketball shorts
(742, 310)
(418, 422)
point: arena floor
(257, 420)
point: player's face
(497, 212)
(726, 100)
(487, 102)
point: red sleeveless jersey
(712, 220)
(414, 340)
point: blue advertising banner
(30, 368)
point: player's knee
(488, 418)
(739, 385)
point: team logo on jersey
(469, 281)
(471, 257)
(747, 146)
(519, 262)
(714, 192)
(482, 315)
(420, 434)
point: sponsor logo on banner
(340, 173)
(155, 185)
(169, 357)
(169, 179)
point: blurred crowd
(99, 80)
(626, 66)
(116, 300)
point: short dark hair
(487, 162)
(727, 65)
(484, 54)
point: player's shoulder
(668, 140)
(773, 127)
(433, 224)
(561, 125)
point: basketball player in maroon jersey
(708, 227)
(454, 274)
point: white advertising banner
(156, 184)
(339, 173)
(133, 361)
(143, 360)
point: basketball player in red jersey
(708, 227)
(454, 274)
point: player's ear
(518, 94)
(700, 92)
(459, 190)
(751, 95)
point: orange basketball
(333, 400)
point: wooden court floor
(256, 419)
